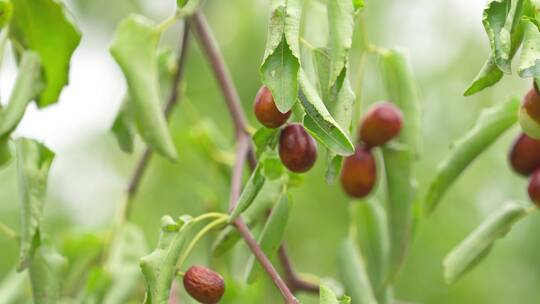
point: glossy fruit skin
(266, 110)
(534, 188)
(381, 123)
(204, 285)
(524, 156)
(359, 173)
(297, 149)
(529, 114)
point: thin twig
(236, 182)
(141, 166)
(293, 281)
(210, 48)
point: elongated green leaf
(271, 236)
(501, 22)
(320, 123)
(489, 75)
(135, 50)
(33, 163)
(228, 237)
(327, 296)
(529, 63)
(265, 138)
(281, 63)
(159, 267)
(6, 11)
(402, 90)
(97, 282)
(321, 64)
(353, 274)
(490, 125)
(373, 237)
(340, 26)
(123, 264)
(250, 192)
(5, 151)
(45, 27)
(122, 127)
(46, 273)
(27, 87)
(398, 167)
(476, 246)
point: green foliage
(281, 62)
(46, 273)
(353, 273)
(250, 192)
(45, 27)
(6, 11)
(135, 50)
(33, 163)
(327, 296)
(159, 267)
(272, 235)
(491, 124)
(478, 244)
(529, 65)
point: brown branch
(141, 166)
(294, 282)
(210, 48)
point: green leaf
(135, 50)
(321, 64)
(5, 151)
(13, 286)
(272, 166)
(320, 123)
(476, 246)
(123, 264)
(491, 124)
(122, 127)
(228, 237)
(250, 192)
(489, 75)
(358, 4)
(265, 138)
(46, 273)
(401, 88)
(271, 236)
(159, 267)
(187, 7)
(27, 87)
(373, 238)
(281, 63)
(97, 282)
(45, 27)
(501, 22)
(529, 63)
(6, 11)
(399, 186)
(353, 273)
(340, 28)
(327, 296)
(33, 163)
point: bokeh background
(447, 47)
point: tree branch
(294, 282)
(210, 48)
(141, 166)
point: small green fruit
(529, 114)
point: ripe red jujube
(359, 173)
(297, 149)
(525, 155)
(266, 110)
(529, 114)
(381, 123)
(534, 188)
(204, 285)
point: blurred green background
(447, 46)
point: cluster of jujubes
(204, 285)
(524, 155)
(380, 124)
(297, 149)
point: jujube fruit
(529, 114)
(381, 123)
(359, 173)
(297, 149)
(266, 110)
(534, 188)
(204, 285)
(524, 156)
